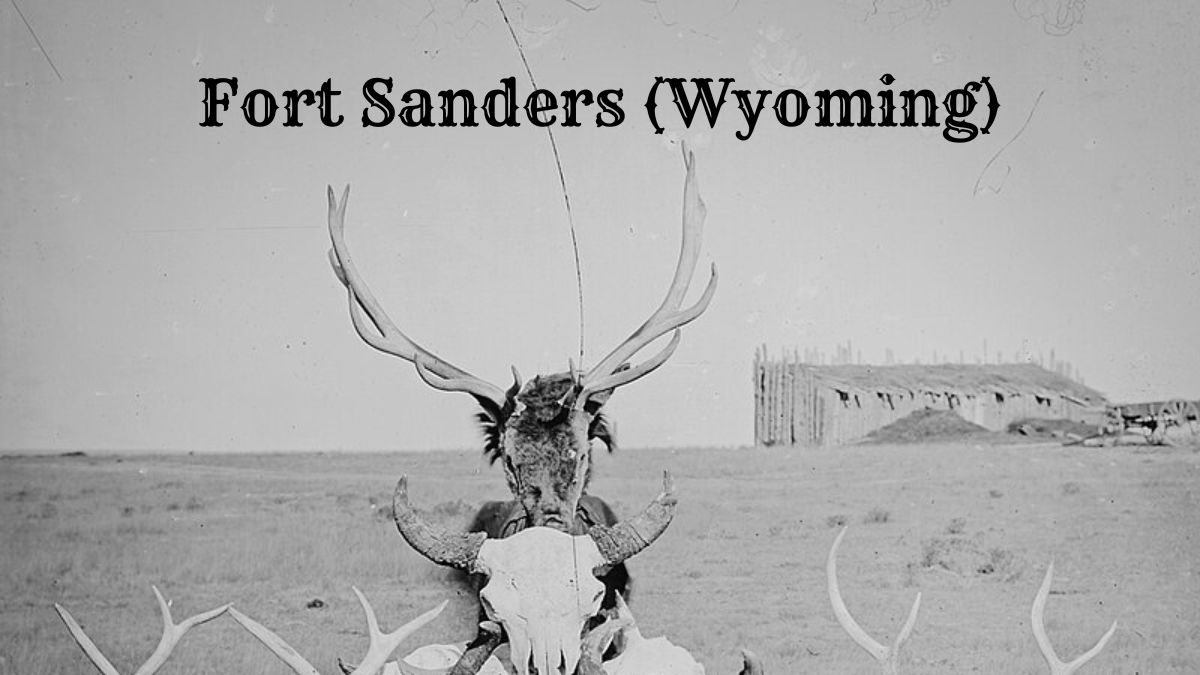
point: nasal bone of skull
(542, 587)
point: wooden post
(788, 399)
(776, 403)
(754, 366)
(759, 394)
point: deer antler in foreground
(1037, 620)
(381, 647)
(886, 656)
(172, 633)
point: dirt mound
(925, 425)
(1048, 428)
(969, 557)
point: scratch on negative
(36, 39)
(996, 156)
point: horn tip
(668, 484)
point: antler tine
(887, 657)
(668, 316)
(383, 644)
(276, 644)
(378, 330)
(1037, 620)
(172, 633)
(630, 374)
(380, 649)
(85, 643)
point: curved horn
(453, 549)
(628, 538)
(596, 642)
(751, 664)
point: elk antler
(1037, 620)
(382, 333)
(172, 633)
(608, 373)
(381, 646)
(886, 656)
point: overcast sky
(165, 286)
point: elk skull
(542, 583)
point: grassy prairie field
(972, 526)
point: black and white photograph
(598, 337)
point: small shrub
(932, 551)
(966, 557)
(877, 515)
(173, 506)
(995, 494)
(127, 511)
(1000, 563)
(836, 520)
(1070, 488)
(956, 526)
(22, 495)
(193, 504)
(383, 513)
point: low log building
(798, 403)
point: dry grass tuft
(876, 516)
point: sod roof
(1006, 379)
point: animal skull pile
(541, 433)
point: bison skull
(542, 583)
(542, 589)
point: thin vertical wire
(562, 181)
